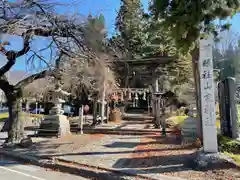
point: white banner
(207, 88)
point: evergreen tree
(130, 26)
(188, 21)
(142, 35)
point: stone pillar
(156, 86)
(36, 107)
(107, 113)
(158, 115)
(27, 106)
(228, 109)
(207, 92)
(103, 110)
(233, 107)
(103, 103)
(162, 119)
(81, 119)
(157, 105)
(153, 105)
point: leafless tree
(227, 39)
(68, 36)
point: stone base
(207, 160)
(56, 110)
(54, 125)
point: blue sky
(107, 7)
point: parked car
(3, 110)
(37, 111)
(68, 110)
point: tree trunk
(27, 106)
(16, 124)
(196, 75)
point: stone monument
(56, 123)
(207, 89)
(189, 129)
(159, 116)
(228, 109)
(103, 112)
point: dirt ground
(155, 151)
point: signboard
(207, 89)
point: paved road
(10, 169)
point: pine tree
(188, 21)
(142, 35)
(130, 25)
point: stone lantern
(56, 124)
(57, 99)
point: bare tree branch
(34, 77)
(13, 55)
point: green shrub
(175, 121)
(228, 145)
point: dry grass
(235, 157)
(4, 116)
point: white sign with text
(207, 89)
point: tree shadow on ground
(45, 145)
(135, 144)
(96, 153)
(81, 172)
(93, 174)
(123, 131)
(152, 136)
(165, 164)
(171, 157)
(139, 122)
(39, 149)
(6, 162)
